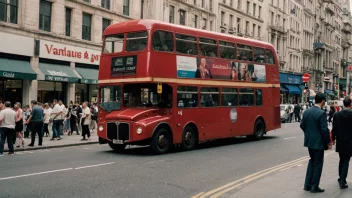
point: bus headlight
(101, 128)
(139, 130)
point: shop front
(12, 74)
(329, 94)
(342, 87)
(87, 89)
(290, 88)
(56, 82)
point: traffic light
(344, 63)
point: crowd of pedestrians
(49, 120)
(318, 138)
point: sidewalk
(289, 183)
(73, 140)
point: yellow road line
(197, 195)
(252, 175)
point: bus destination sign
(123, 65)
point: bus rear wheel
(189, 138)
(161, 141)
(117, 147)
(259, 130)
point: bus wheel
(189, 138)
(259, 130)
(117, 147)
(161, 141)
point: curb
(52, 146)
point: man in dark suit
(342, 133)
(317, 139)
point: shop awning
(89, 76)
(16, 69)
(58, 73)
(283, 89)
(293, 89)
(329, 92)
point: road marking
(32, 174)
(197, 195)
(252, 175)
(289, 138)
(82, 167)
(233, 185)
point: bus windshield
(145, 95)
(110, 98)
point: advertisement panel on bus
(204, 68)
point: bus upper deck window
(244, 52)
(186, 44)
(136, 41)
(208, 47)
(269, 57)
(163, 41)
(113, 44)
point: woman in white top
(47, 114)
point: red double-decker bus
(162, 84)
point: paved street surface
(96, 171)
(73, 140)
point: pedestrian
(56, 119)
(28, 126)
(7, 127)
(79, 116)
(342, 133)
(67, 119)
(62, 120)
(297, 111)
(86, 120)
(36, 121)
(331, 113)
(19, 124)
(317, 139)
(337, 108)
(94, 117)
(47, 113)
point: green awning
(89, 76)
(59, 73)
(16, 69)
(342, 81)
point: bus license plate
(117, 141)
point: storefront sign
(58, 51)
(89, 81)
(14, 44)
(8, 74)
(56, 78)
(290, 79)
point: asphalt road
(96, 171)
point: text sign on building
(15, 44)
(58, 51)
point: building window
(210, 5)
(204, 23)
(8, 11)
(87, 1)
(182, 17)
(45, 15)
(172, 14)
(248, 4)
(106, 23)
(86, 26)
(126, 7)
(211, 25)
(203, 3)
(68, 21)
(105, 4)
(195, 21)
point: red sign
(349, 68)
(305, 77)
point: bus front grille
(118, 131)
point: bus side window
(246, 97)
(229, 97)
(187, 97)
(208, 47)
(163, 41)
(269, 57)
(227, 50)
(259, 55)
(186, 44)
(209, 97)
(258, 97)
(244, 52)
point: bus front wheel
(259, 130)
(189, 138)
(161, 141)
(117, 147)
